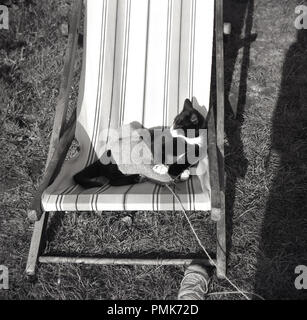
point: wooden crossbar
(125, 261)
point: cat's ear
(187, 105)
(194, 118)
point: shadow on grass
(284, 231)
(151, 236)
(240, 15)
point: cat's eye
(194, 119)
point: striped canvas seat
(142, 59)
(145, 196)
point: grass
(265, 164)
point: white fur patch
(185, 175)
(160, 169)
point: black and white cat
(189, 120)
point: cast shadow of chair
(240, 15)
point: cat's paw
(160, 169)
(185, 175)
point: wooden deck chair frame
(62, 137)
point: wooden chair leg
(36, 244)
(221, 242)
(220, 118)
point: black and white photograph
(153, 150)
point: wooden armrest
(62, 134)
(67, 76)
(213, 168)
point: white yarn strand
(202, 246)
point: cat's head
(188, 118)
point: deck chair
(141, 60)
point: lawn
(266, 153)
